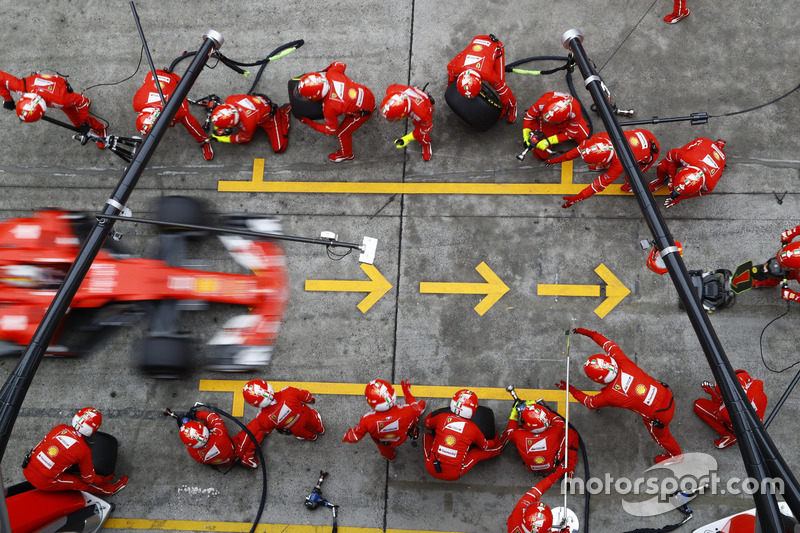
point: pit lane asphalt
(720, 60)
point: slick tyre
(303, 108)
(483, 418)
(182, 210)
(166, 357)
(104, 449)
(479, 113)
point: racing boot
(338, 157)
(674, 18)
(208, 151)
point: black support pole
(16, 386)
(760, 456)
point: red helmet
(396, 107)
(597, 154)
(146, 119)
(464, 403)
(601, 368)
(225, 116)
(194, 434)
(558, 109)
(537, 518)
(380, 395)
(534, 418)
(469, 83)
(312, 87)
(258, 393)
(30, 107)
(87, 420)
(688, 180)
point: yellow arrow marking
(565, 187)
(494, 288)
(616, 291)
(357, 389)
(377, 286)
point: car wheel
(166, 357)
(303, 108)
(479, 113)
(182, 210)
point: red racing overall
(486, 56)
(57, 93)
(543, 452)
(147, 97)
(574, 128)
(635, 390)
(532, 497)
(256, 111)
(219, 448)
(458, 445)
(388, 429)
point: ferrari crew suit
(57, 93)
(388, 429)
(289, 414)
(789, 259)
(456, 446)
(701, 154)
(219, 449)
(61, 448)
(532, 497)
(645, 151)
(147, 97)
(714, 413)
(574, 128)
(421, 115)
(544, 452)
(635, 390)
(258, 111)
(346, 98)
(486, 56)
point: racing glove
(403, 141)
(9, 104)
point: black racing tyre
(479, 113)
(166, 357)
(483, 418)
(182, 210)
(104, 454)
(303, 108)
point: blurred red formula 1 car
(36, 253)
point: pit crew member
(340, 96)
(598, 152)
(286, 411)
(530, 515)
(554, 118)
(206, 439)
(236, 120)
(147, 103)
(538, 434)
(483, 60)
(628, 386)
(388, 423)
(788, 258)
(714, 413)
(46, 465)
(692, 170)
(401, 102)
(457, 443)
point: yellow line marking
(377, 286)
(564, 188)
(357, 389)
(235, 527)
(493, 288)
(616, 291)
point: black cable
(260, 460)
(141, 54)
(756, 107)
(626, 37)
(761, 345)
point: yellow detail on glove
(222, 139)
(404, 140)
(543, 144)
(526, 135)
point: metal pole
(147, 53)
(566, 426)
(747, 427)
(16, 386)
